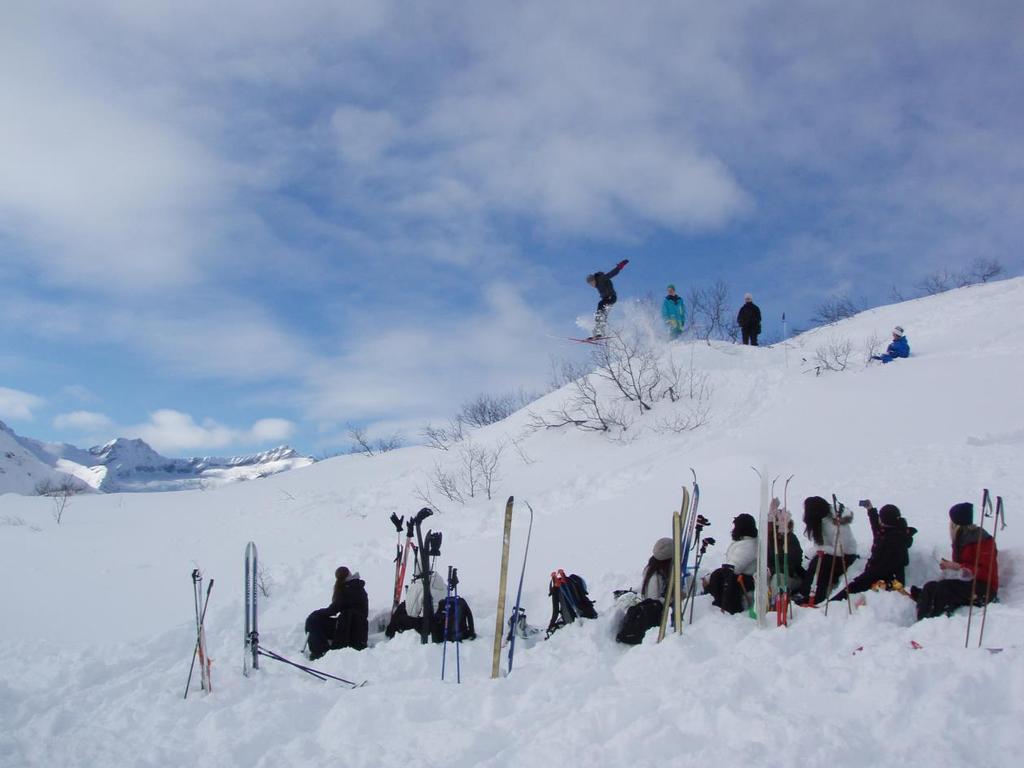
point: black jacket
(603, 283)
(890, 554)
(352, 609)
(749, 317)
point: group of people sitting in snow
(972, 573)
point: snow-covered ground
(97, 612)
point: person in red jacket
(974, 568)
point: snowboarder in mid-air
(602, 281)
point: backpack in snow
(639, 618)
(568, 600)
(461, 627)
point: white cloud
(15, 404)
(169, 431)
(83, 421)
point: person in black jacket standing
(749, 320)
(602, 281)
(344, 623)
(890, 550)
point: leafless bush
(488, 409)
(872, 345)
(833, 355)
(367, 446)
(446, 483)
(584, 409)
(710, 314)
(264, 580)
(834, 309)
(566, 372)
(60, 492)
(517, 444)
(443, 438)
(694, 418)
(631, 364)
(981, 270)
(476, 471)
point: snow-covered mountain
(99, 622)
(127, 465)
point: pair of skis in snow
(998, 523)
(687, 525)
(199, 651)
(253, 650)
(517, 611)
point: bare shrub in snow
(584, 409)
(264, 580)
(60, 492)
(488, 409)
(364, 444)
(630, 363)
(566, 372)
(833, 355)
(709, 313)
(443, 438)
(834, 309)
(872, 346)
(476, 471)
(981, 270)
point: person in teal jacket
(899, 347)
(673, 311)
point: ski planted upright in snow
(762, 575)
(499, 621)
(518, 614)
(252, 635)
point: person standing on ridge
(899, 347)
(673, 312)
(749, 320)
(602, 281)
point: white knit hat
(897, 331)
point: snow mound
(99, 623)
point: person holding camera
(890, 550)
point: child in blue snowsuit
(673, 312)
(899, 347)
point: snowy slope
(128, 465)
(97, 611)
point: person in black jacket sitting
(602, 281)
(890, 550)
(344, 623)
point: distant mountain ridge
(127, 465)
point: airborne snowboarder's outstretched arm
(618, 268)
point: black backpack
(462, 629)
(639, 618)
(568, 600)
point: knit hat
(889, 515)
(342, 573)
(671, 287)
(898, 331)
(743, 525)
(662, 549)
(747, 297)
(962, 513)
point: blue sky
(228, 225)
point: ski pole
(835, 550)
(986, 505)
(696, 571)
(195, 651)
(1000, 516)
